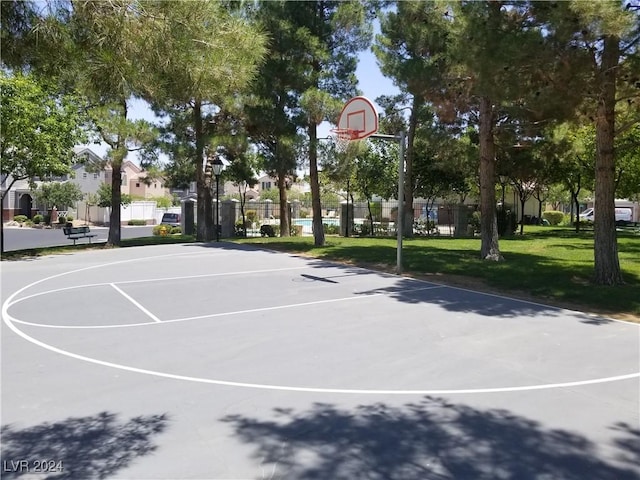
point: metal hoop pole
(400, 219)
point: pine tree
(335, 33)
(601, 40)
(203, 55)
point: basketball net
(343, 137)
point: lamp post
(217, 166)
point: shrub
(176, 231)
(376, 210)
(62, 220)
(553, 217)
(251, 216)
(424, 227)
(37, 219)
(362, 229)
(69, 218)
(20, 218)
(47, 218)
(162, 201)
(137, 222)
(474, 221)
(241, 230)
(161, 230)
(331, 229)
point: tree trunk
(577, 205)
(285, 227)
(2, 197)
(371, 224)
(316, 206)
(2, 225)
(119, 153)
(607, 265)
(539, 211)
(204, 227)
(522, 202)
(407, 226)
(242, 191)
(116, 196)
(489, 249)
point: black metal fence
(359, 218)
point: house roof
(126, 164)
(78, 151)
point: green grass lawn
(549, 265)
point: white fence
(148, 211)
(138, 211)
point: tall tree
(92, 48)
(38, 130)
(480, 63)
(628, 164)
(375, 174)
(336, 31)
(274, 100)
(571, 149)
(205, 55)
(412, 49)
(58, 194)
(602, 39)
(242, 172)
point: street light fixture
(217, 167)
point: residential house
(88, 173)
(267, 182)
(134, 182)
(18, 200)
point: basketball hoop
(357, 121)
(342, 137)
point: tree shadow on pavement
(432, 439)
(86, 447)
(629, 443)
(408, 290)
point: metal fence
(358, 218)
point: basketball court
(225, 361)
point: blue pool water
(307, 222)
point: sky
(370, 81)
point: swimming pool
(307, 223)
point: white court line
(277, 307)
(314, 389)
(210, 315)
(9, 321)
(146, 280)
(136, 303)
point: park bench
(74, 233)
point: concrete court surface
(221, 361)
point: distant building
(89, 172)
(18, 200)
